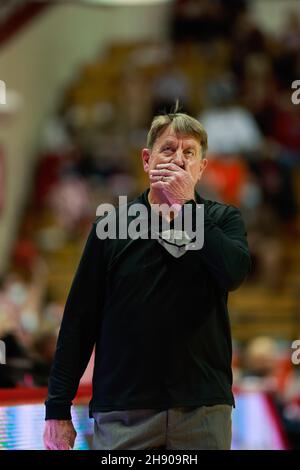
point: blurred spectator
(231, 128)
(170, 85)
(258, 89)
(43, 348)
(291, 36)
(260, 363)
(247, 37)
(205, 20)
(286, 129)
(70, 202)
(276, 180)
(266, 248)
(56, 151)
(224, 180)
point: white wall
(37, 63)
(271, 14)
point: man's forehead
(172, 137)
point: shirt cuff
(58, 411)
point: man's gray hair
(181, 124)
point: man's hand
(59, 435)
(176, 184)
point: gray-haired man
(157, 313)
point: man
(157, 314)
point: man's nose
(178, 158)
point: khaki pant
(193, 428)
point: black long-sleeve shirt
(160, 323)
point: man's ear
(145, 157)
(204, 163)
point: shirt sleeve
(225, 250)
(79, 329)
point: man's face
(183, 150)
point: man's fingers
(60, 446)
(64, 446)
(158, 184)
(170, 166)
(163, 185)
(55, 445)
(162, 172)
(160, 178)
(51, 446)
